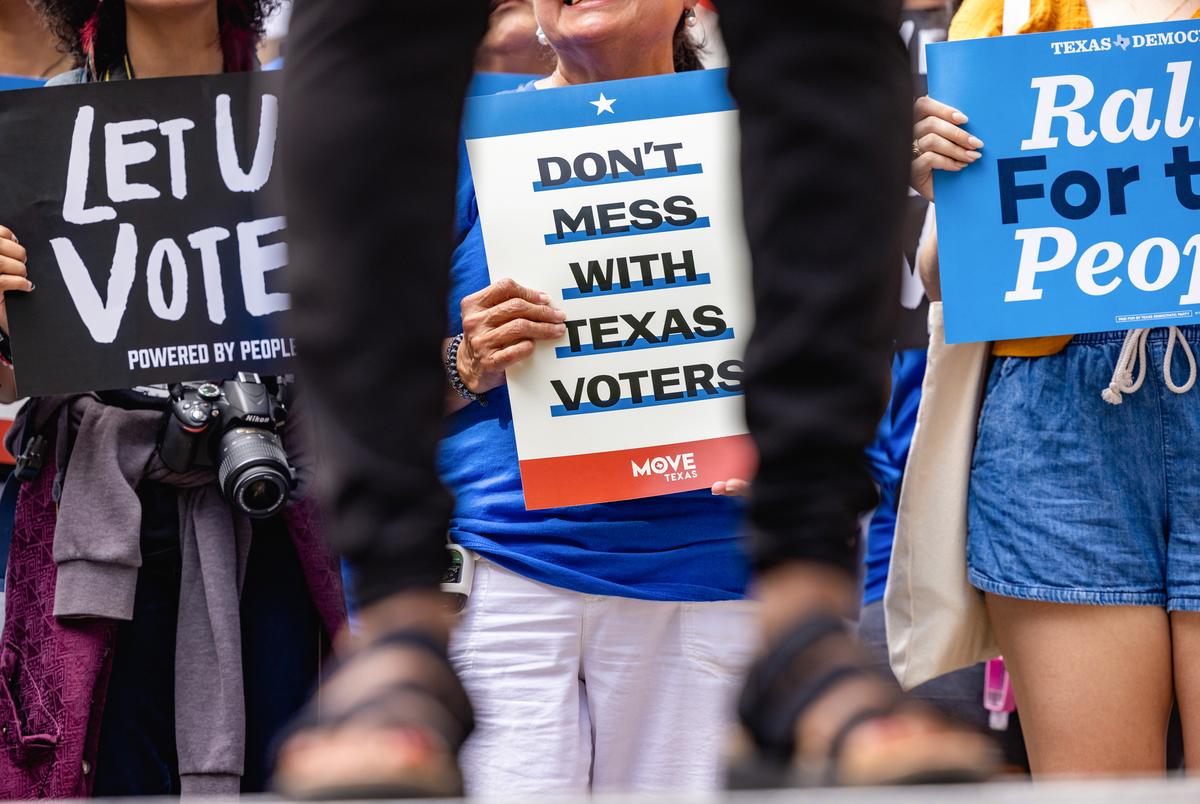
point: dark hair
(687, 49)
(93, 31)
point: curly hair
(686, 49)
(93, 31)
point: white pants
(577, 692)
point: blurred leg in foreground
(371, 110)
(370, 124)
(824, 96)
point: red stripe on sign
(632, 473)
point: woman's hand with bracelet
(13, 275)
(501, 323)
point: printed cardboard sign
(622, 200)
(1084, 213)
(151, 214)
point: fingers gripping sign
(939, 143)
(501, 325)
(734, 487)
(13, 275)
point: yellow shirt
(979, 18)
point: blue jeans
(1074, 500)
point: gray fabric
(209, 635)
(96, 546)
(209, 784)
(87, 588)
(97, 538)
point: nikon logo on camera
(670, 467)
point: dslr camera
(233, 426)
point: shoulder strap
(1016, 14)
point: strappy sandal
(912, 745)
(387, 723)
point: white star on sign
(604, 104)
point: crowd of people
(674, 643)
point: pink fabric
(321, 567)
(54, 676)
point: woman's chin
(594, 29)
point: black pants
(370, 125)
(824, 92)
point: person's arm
(13, 277)
(8, 385)
(928, 265)
(943, 145)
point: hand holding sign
(942, 144)
(500, 324)
(12, 271)
(733, 487)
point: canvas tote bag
(936, 621)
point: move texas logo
(672, 468)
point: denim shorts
(1074, 500)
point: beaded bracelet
(452, 375)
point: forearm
(929, 263)
(8, 385)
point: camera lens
(261, 494)
(253, 472)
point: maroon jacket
(54, 675)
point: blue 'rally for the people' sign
(1084, 213)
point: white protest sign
(622, 201)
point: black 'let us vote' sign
(154, 224)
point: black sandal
(812, 660)
(375, 730)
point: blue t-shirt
(887, 457)
(678, 547)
